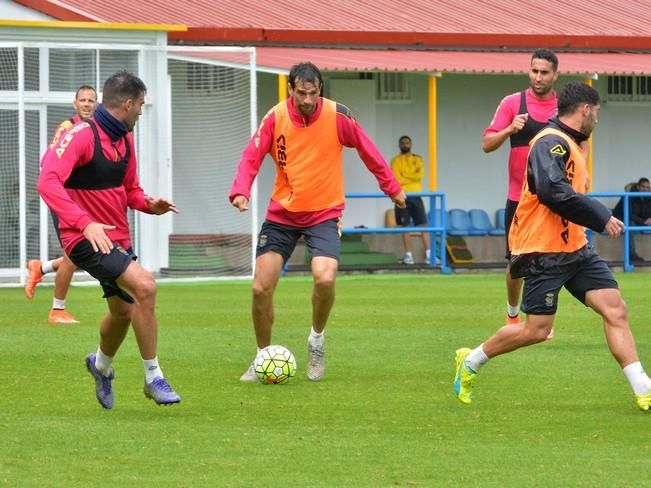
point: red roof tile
(530, 23)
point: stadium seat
(480, 220)
(459, 224)
(500, 219)
(499, 229)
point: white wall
(12, 10)
(466, 105)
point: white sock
(315, 337)
(476, 359)
(427, 253)
(152, 369)
(59, 304)
(103, 362)
(408, 254)
(47, 267)
(512, 311)
(638, 379)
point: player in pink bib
(519, 117)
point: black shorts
(413, 212)
(546, 274)
(322, 239)
(105, 268)
(509, 213)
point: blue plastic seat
(500, 223)
(500, 220)
(459, 224)
(480, 221)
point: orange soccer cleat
(34, 277)
(512, 320)
(58, 316)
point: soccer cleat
(407, 259)
(161, 392)
(34, 277)
(249, 375)
(315, 361)
(512, 320)
(58, 316)
(464, 377)
(644, 401)
(103, 388)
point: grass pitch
(556, 414)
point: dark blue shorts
(413, 212)
(509, 213)
(321, 239)
(105, 268)
(578, 272)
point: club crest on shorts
(549, 300)
(262, 240)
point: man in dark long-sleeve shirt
(550, 250)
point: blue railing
(628, 265)
(436, 225)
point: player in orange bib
(84, 103)
(550, 250)
(305, 135)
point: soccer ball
(275, 364)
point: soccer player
(518, 118)
(305, 135)
(550, 250)
(84, 103)
(89, 179)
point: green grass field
(556, 414)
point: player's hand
(241, 203)
(518, 123)
(400, 199)
(161, 206)
(95, 234)
(614, 227)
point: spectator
(639, 213)
(409, 169)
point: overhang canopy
(280, 60)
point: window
(629, 88)
(393, 87)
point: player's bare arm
(493, 140)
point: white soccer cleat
(315, 361)
(249, 375)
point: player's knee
(145, 289)
(617, 313)
(122, 316)
(262, 290)
(324, 281)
